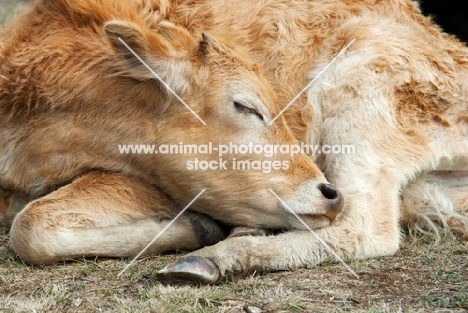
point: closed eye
(241, 108)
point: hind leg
(102, 214)
(459, 197)
(437, 198)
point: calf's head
(229, 94)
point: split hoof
(240, 231)
(191, 270)
(206, 230)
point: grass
(458, 300)
(420, 278)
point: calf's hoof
(191, 270)
(206, 230)
(240, 231)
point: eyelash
(244, 109)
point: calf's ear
(168, 52)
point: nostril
(329, 191)
(335, 200)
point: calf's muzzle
(335, 200)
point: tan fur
(399, 95)
(121, 213)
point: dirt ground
(421, 277)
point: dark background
(450, 14)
